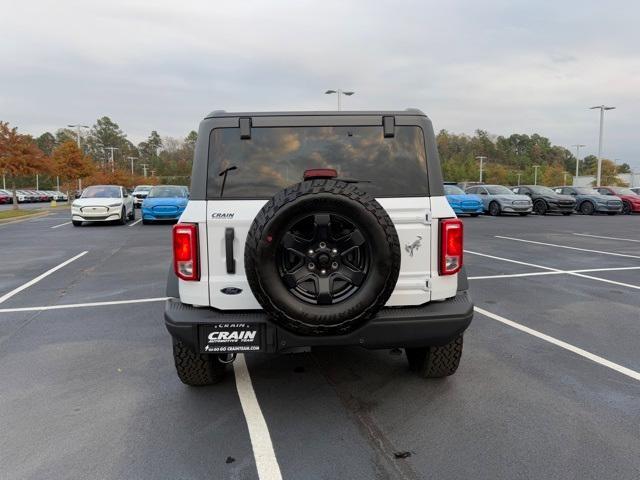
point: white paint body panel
(415, 219)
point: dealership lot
(548, 386)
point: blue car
(164, 202)
(463, 202)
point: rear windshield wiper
(223, 174)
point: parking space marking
(579, 351)
(570, 248)
(61, 225)
(557, 270)
(135, 223)
(82, 305)
(607, 238)
(15, 291)
(263, 452)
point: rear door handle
(229, 235)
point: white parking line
(579, 351)
(570, 248)
(135, 223)
(559, 272)
(607, 238)
(7, 296)
(263, 452)
(82, 305)
(61, 225)
(556, 270)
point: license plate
(231, 337)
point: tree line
(104, 154)
(101, 154)
(513, 157)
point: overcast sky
(503, 66)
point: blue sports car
(164, 202)
(463, 202)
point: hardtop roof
(324, 113)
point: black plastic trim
(229, 236)
(435, 323)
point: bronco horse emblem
(411, 248)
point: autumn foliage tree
(19, 156)
(70, 163)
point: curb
(9, 221)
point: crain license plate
(230, 337)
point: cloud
(500, 65)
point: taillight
(185, 251)
(450, 246)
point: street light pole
(519, 175)
(144, 168)
(564, 178)
(578, 146)
(111, 149)
(78, 127)
(37, 182)
(535, 174)
(339, 92)
(602, 108)
(482, 158)
(132, 159)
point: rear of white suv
(308, 229)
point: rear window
(274, 158)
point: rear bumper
(435, 323)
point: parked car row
(114, 203)
(27, 196)
(526, 199)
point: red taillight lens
(451, 247)
(185, 251)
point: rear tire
(76, 223)
(494, 209)
(196, 369)
(436, 362)
(132, 215)
(626, 208)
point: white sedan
(103, 203)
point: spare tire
(322, 257)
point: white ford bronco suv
(316, 229)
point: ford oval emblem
(231, 291)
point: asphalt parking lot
(548, 386)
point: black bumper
(435, 323)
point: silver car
(498, 199)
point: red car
(5, 197)
(630, 200)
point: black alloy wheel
(587, 208)
(323, 258)
(540, 207)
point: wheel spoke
(355, 277)
(349, 242)
(323, 288)
(295, 243)
(293, 279)
(322, 224)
